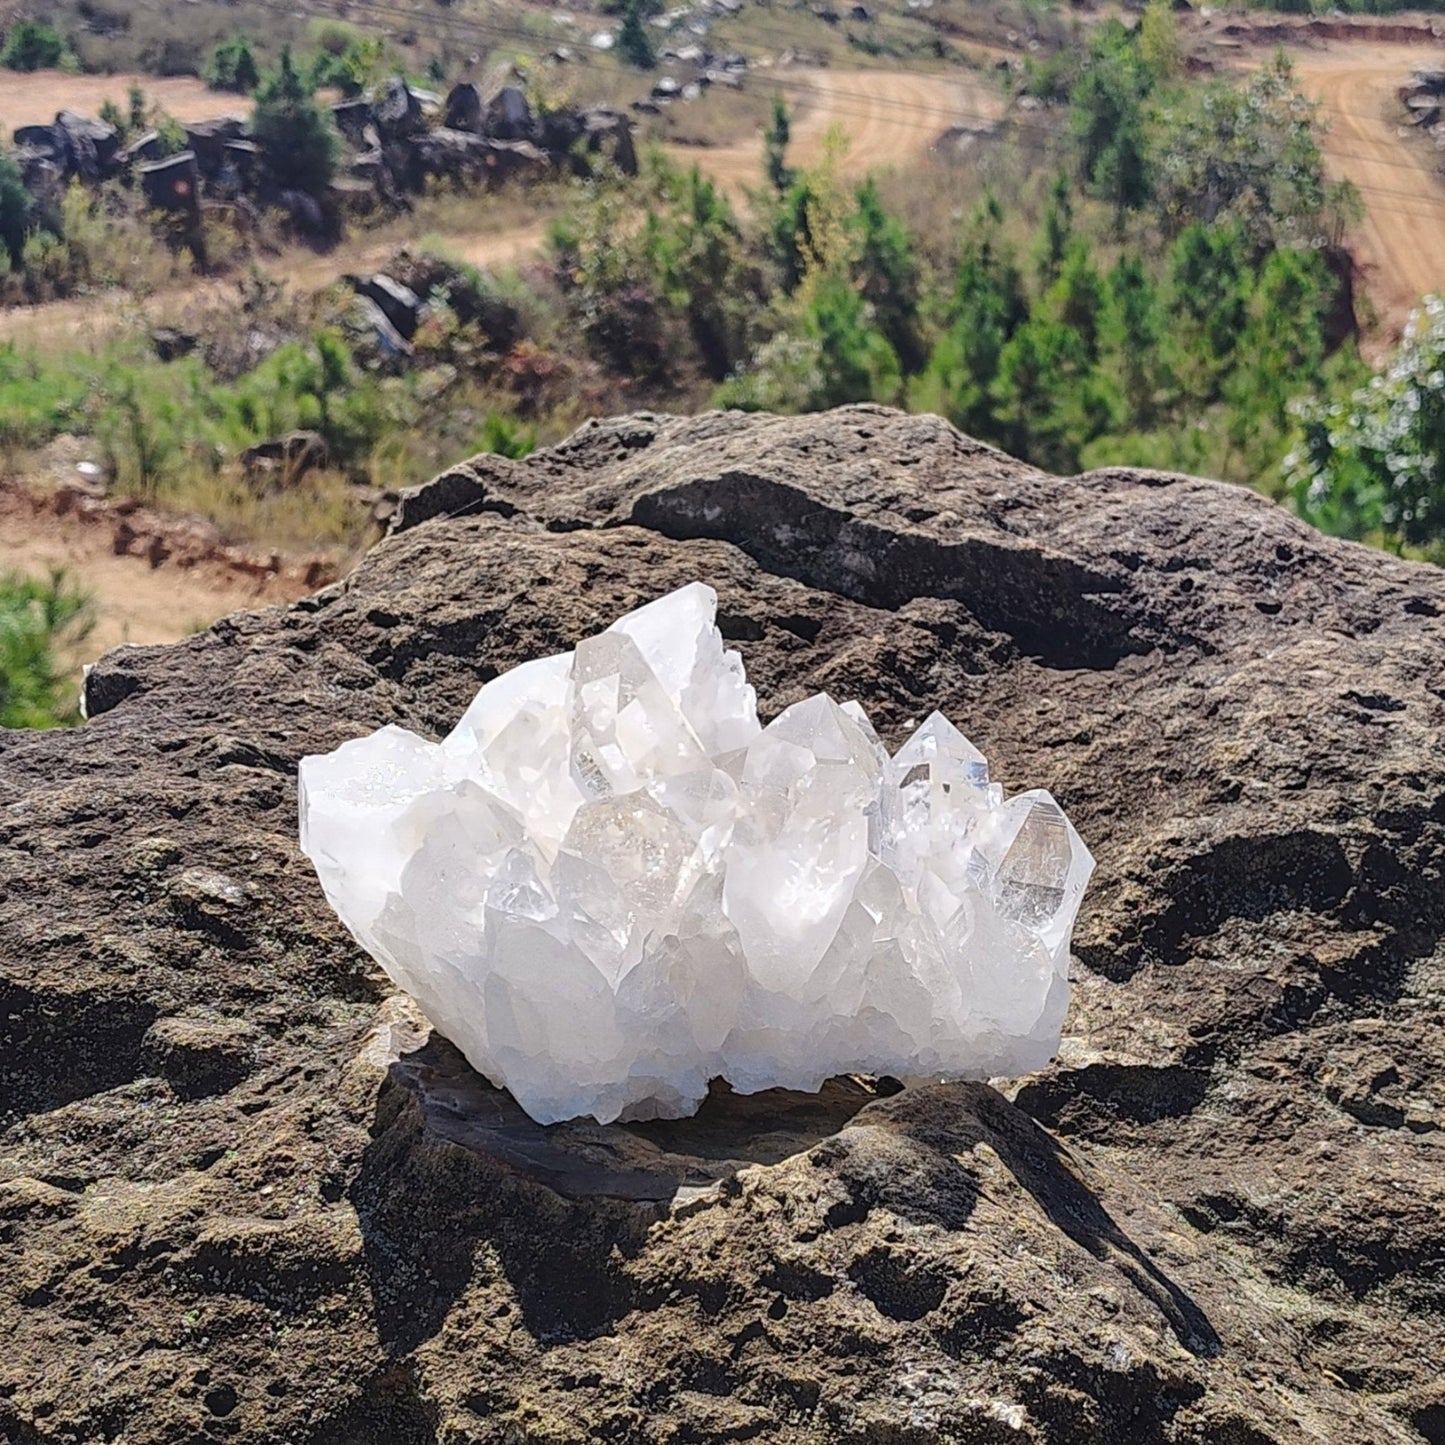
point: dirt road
(890, 118)
(1401, 244)
(36, 98)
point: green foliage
(1160, 47)
(232, 66)
(34, 45)
(111, 114)
(610, 284)
(634, 44)
(886, 277)
(1057, 230)
(855, 360)
(776, 170)
(15, 210)
(1107, 112)
(790, 232)
(1133, 341)
(35, 618)
(504, 436)
(989, 306)
(1372, 463)
(37, 401)
(297, 139)
(353, 67)
(1282, 342)
(1249, 154)
(694, 247)
(1209, 275)
(170, 134)
(1048, 397)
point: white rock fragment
(610, 884)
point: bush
(36, 617)
(350, 69)
(1372, 463)
(232, 67)
(1249, 153)
(505, 437)
(14, 210)
(33, 45)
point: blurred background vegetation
(1142, 264)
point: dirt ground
(889, 117)
(131, 600)
(1400, 246)
(35, 99)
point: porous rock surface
(244, 1197)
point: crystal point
(611, 884)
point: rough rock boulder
(245, 1197)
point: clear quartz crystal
(610, 884)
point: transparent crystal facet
(610, 884)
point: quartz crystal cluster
(611, 884)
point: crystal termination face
(610, 884)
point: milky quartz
(611, 884)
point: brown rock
(1217, 1219)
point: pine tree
(855, 362)
(775, 149)
(988, 308)
(1058, 230)
(1134, 338)
(14, 210)
(633, 40)
(297, 140)
(887, 276)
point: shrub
(33, 45)
(232, 67)
(350, 69)
(505, 437)
(14, 210)
(1373, 461)
(36, 617)
(1249, 153)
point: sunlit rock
(611, 884)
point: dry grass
(174, 37)
(721, 117)
(936, 199)
(321, 512)
(450, 212)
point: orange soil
(131, 600)
(889, 117)
(35, 99)
(1400, 246)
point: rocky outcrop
(244, 1196)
